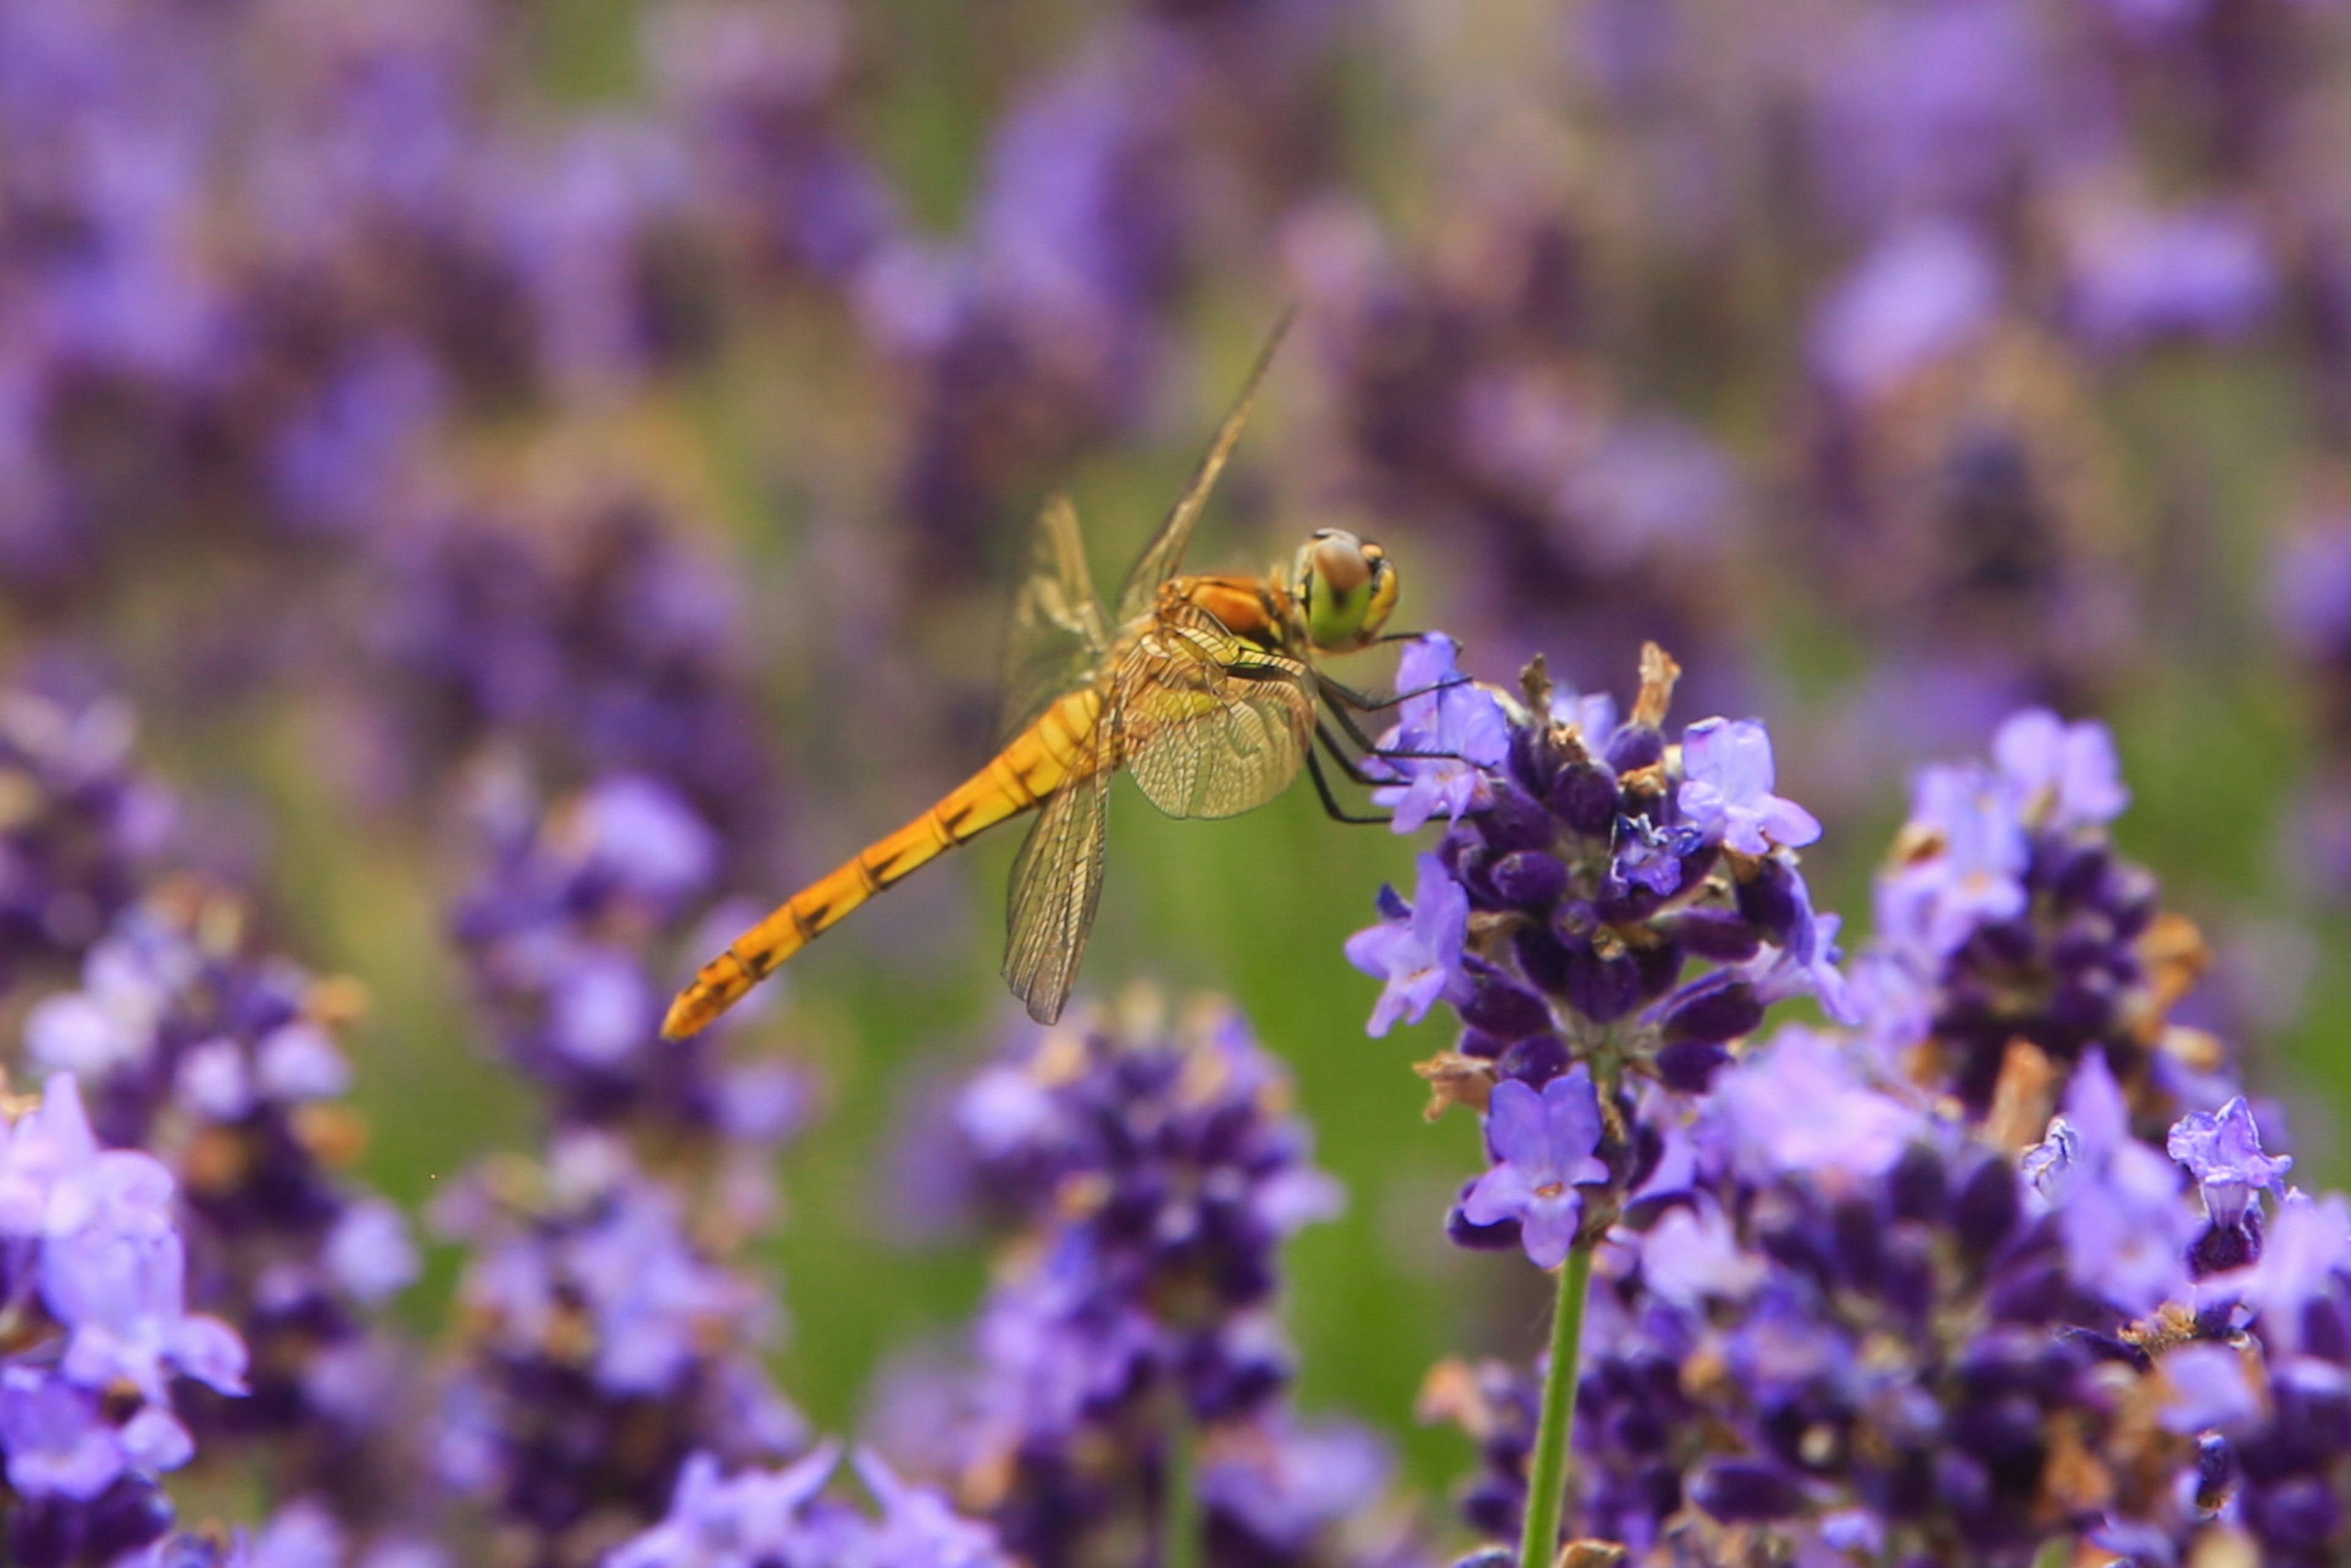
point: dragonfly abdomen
(1017, 779)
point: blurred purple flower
(2202, 272)
(2117, 1201)
(1799, 1105)
(1923, 292)
(2066, 774)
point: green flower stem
(1547, 1475)
(1179, 1497)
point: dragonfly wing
(1212, 725)
(1058, 636)
(1056, 887)
(1165, 553)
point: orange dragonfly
(1207, 694)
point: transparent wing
(1056, 887)
(1165, 553)
(1211, 725)
(1058, 635)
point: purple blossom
(2212, 1387)
(2307, 1244)
(1807, 964)
(1290, 1483)
(1727, 790)
(1651, 857)
(779, 1517)
(1971, 872)
(1455, 722)
(1543, 1146)
(1594, 714)
(2117, 1201)
(2066, 774)
(1153, 1174)
(1417, 950)
(1923, 292)
(605, 1345)
(2204, 271)
(1693, 1254)
(1798, 1104)
(2223, 1151)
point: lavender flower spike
(1727, 790)
(1543, 1146)
(1417, 949)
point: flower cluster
(571, 933)
(1605, 907)
(604, 1345)
(1130, 1345)
(2006, 914)
(596, 644)
(80, 829)
(99, 1333)
(222, 1060)
(1865, 1298)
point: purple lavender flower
(1727, 794)
(2006, 914)
(757, 1518)
(1921, 293)
(101, 1335)
(2222, 1150)
(1972, 876)
(606, 1347)
(2212, 1389)
(2066, 774)
(2117, 1201)
(1798, 1104)
(84, 829)
(225, 1056)
(1154, 1173)
(1651, 857)
(558, 934)
(1417, 951)
(1456, 723)
(1542, 1145)
(1566, 841)
(2141, 277)
(1693, 1255)
(2308, 1245)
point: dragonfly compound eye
(1346, 588)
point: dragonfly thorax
(1345, 588)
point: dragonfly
(1206, 690)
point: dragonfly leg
(1331, 806)
(1351, 765)
(1370, 747)
(1341, 695)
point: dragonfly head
(1345, 588)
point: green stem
(1180, 1493)
(1547, 1474)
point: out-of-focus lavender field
(494, 492)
